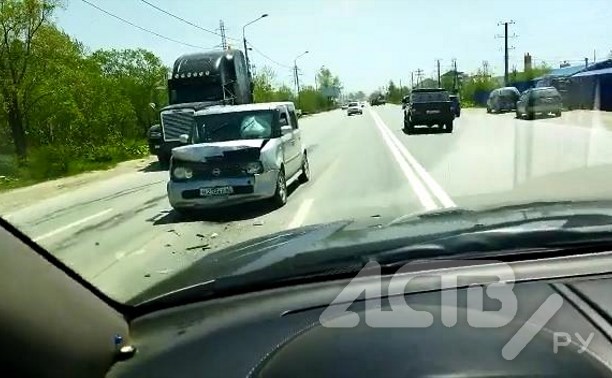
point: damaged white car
(239, 153)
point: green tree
(263, 84)
(140, 76)
(20, 22)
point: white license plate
(157, 146)
(432, 112)
(216, 191)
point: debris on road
(200, 235)
(164, 271)
(213, 235)
(258, 223)
(203, 246)
(148, 275)
(168, 245)
(97, 243)
(172, 230)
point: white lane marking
(301, 214)
(71, 225)
(417, 186)
(429, 181)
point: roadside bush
(54, 161)
(49, 161)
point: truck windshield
(192, 91)
(430, 96)
(235, 126)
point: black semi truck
(198, 80)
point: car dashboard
(279, 333)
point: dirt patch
(15, 199)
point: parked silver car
(543, 100)
(239, 153)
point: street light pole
(297, 76)
(246, 50)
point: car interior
(55, 324)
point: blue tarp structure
(561, 72)
(592, 88)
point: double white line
(423, 185)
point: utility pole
(506, 48)
(411, 79)
(455, 90)
(594, 56)
(439, 81)
(586, 62)
(223, 38)
(419, 73)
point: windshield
(430, 96)
(235, 126)
(228, 186)
(194, 91)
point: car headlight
(253, 167)
(182, 173)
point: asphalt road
(120, 233)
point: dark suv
(543, 100)
(428, 106)
(502, 100)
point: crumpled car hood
(201, 151)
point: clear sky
(365, 42)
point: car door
(297, 138)
(289, 142)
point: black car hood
(307, 246)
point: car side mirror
(184, 138)
(153, 105)
(283, 121)
(286, 129)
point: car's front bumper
(186, 194)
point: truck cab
(197, 81)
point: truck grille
(175, 123)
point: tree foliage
(65, 110)
(310, 100)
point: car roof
(220, 109)
(428, 90)
(544, 88)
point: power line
(141, 28)
(268, 58)
(184, 20)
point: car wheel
(305, 175)
(408, 127)
(530, 115)
(558, 114)
(488, 110)
(164, 161)
(280, 194)
(448, 127)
